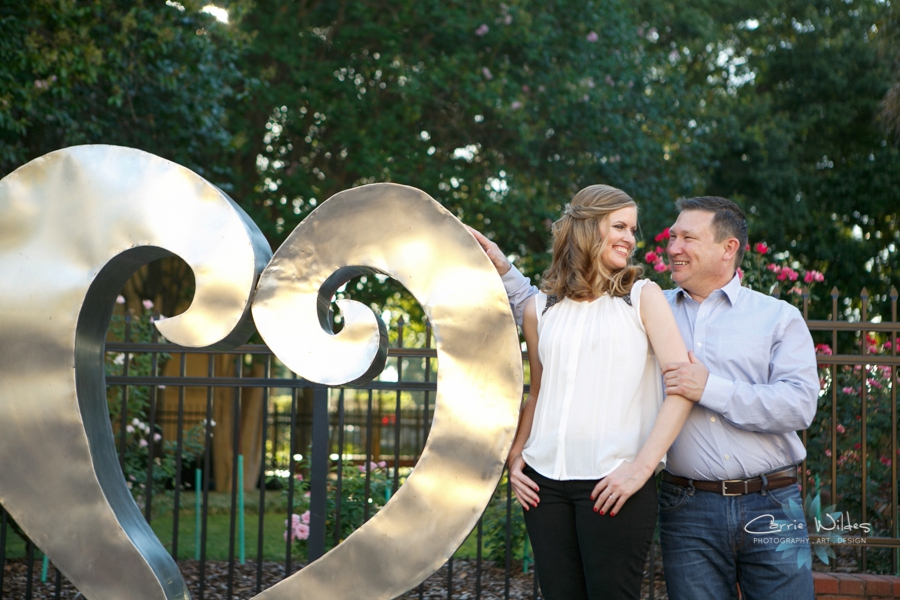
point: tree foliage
(140, 74)
(795, 89)
(500, 112)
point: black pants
(580, 554)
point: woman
(594, 427)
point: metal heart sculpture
(76, 223)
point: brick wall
(856, 586)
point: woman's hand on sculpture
(526, 489)
(501, 263)
(612, 491)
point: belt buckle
(727, 481)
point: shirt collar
(731, 290)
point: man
(752, 373)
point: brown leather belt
(737, 487)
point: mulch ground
(465, 582)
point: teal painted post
(198, 487)
(243, 545)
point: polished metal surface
(74, 225)
(401, 232)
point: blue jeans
(707, 548)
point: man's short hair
(728, 219)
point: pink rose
(823, 349)
(812, 276)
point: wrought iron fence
(852, 447)
(340, 453)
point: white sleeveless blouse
(601, 387)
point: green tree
(793, 97)
(499, 111)
(150, 75)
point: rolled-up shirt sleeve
(786, 401)
(519, 290)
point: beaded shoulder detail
(553, 299)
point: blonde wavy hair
(577, 270)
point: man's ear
(730, 246)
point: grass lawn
(218, 528)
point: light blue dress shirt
(763, 382)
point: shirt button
(713, 419)
(727, 457)
(699, 344)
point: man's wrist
(513, 279)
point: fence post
(318, 474)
